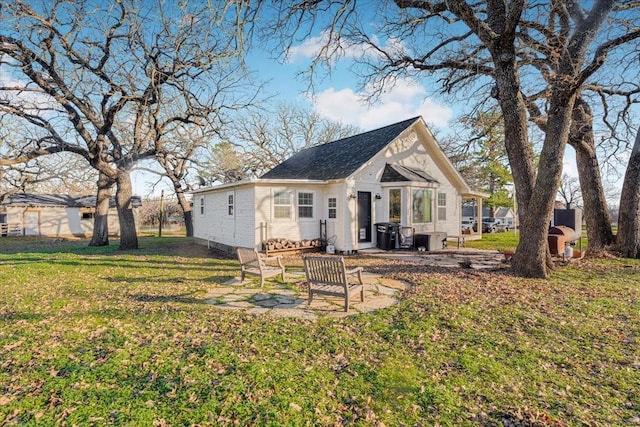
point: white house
(54, 215)
(395, 174)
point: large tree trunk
(185, 205)
(100, 236)
(629, 216)
(533, 258)
(596, 211)
(128, 234)
(528, 259)
(186, 209)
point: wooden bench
(252, 262)
(329, 276)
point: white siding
(212, 221)
(253, 220)
(58, 221)
(409, 151)
(294, 227)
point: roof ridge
(374, 130)
(340, 158)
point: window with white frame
(421, 205)
(395, 204)
(332, 207)
(201, 205)
(442, 206)
(230, 204)
(305, 205)
(282, 204)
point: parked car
(468, 225)
(493, 225)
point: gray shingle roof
(25, 199)
(399, 173)
(337, 159)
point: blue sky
(337, 95)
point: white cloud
(20, 93)
(404, 100)
(343, 48)
(312, 46)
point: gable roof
(60, 200)
(399, 173)
(337, 159)
(503, 212)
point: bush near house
(93, 336)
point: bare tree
(179, 143)
(88, 77)
(605, 89)
(569, 191)
(149, 212)
(23, 170)
(477, 44)
(265, 139)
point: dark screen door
(364, 216)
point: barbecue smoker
(565, 231)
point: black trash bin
(387, 235)
(382, 235)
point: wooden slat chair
(329, 276)
(252, 262)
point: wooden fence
(11, 229)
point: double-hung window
(332, 205)
(305, 205)
(230, 204)
(282, 204)
(442, 206)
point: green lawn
(509, 241)
(496, 241)
(93, 336)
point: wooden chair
(329, 276)
(252, 262)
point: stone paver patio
(290, 299)
(478, 259)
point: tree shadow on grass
(168, 280)
(13, 316)
(171, 246)
(183, 298)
